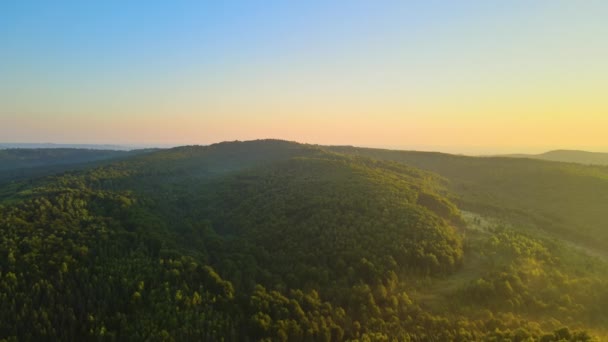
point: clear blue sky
(380, 73)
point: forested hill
(561, 198)
(568, 156)
(273, 240)
(105, 147)
(23, 163)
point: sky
(454, 76)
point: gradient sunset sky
(455, 76)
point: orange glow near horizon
(467, 78)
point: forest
(271, 240)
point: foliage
(566, 200)
(270, 240)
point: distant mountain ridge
(78, 146)
(107, 147)
(567, 156)
(21, 163)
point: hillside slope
(568, 156)
(270, 240)
(563, 199)
(21, 163)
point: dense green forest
(28, 158)
(24, 163)
(565, 199)
(278, 241)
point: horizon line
(421, 148)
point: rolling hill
(23, 163)
(28, 158)
(563, 199)
(64, 146)
(274, 240)
(568, 156)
